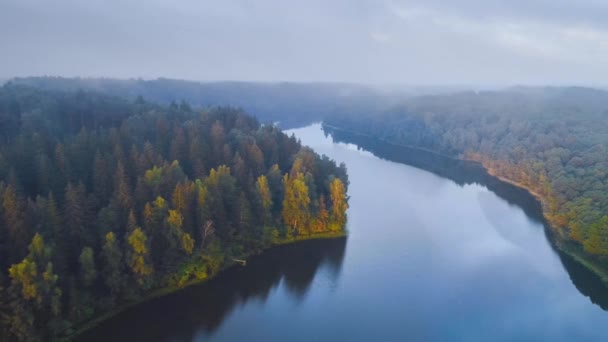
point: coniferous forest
(237, 170)
(106, 201)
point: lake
(437, 251)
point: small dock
(240, 261)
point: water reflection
(459, 171)
(464, 173)
(200, 310)
(430, 257)
(586, 281)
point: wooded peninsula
(108, 197)
(105, 201)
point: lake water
(441, 254)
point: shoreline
(165, 291)
(568, 248)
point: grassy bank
(160, 292)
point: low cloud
(410, 42)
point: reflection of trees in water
(587, 283)
(179, 316)
(463, 173)
(459, 171)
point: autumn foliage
(103, 201)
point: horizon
(373, 86)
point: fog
(417, 42)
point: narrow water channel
(444, 254)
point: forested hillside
(104, 201)
(553, 141)
(288, 104)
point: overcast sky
(404, 42)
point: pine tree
(43, 173)
(63, 164)
(113, 270)
(244, 214)
(217, 142)
(131, 222)
(75, 219)
(123, 194)
(240, 170)
(178, 145)
(14, 220)
(88, 272)
(102, 184)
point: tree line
(553, 141)
(104, 200)
(287, 104)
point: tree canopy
(552, 141)
(103, 200)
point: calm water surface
(445, 255)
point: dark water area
(437, 251)
(466, 173)
(181, 316)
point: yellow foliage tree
(264, 192)
(296, 203)
(139, 255)
(338, 204)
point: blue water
(427, 258)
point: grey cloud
(412, 42)
(586, 12)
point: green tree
(111, 164)
(244, 214)
(88, 272)
(113, 270)
(277, 189)
(75, 218)
(597, 241)
(13, 212)
(123, 194)
(102, 181)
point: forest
(105, 201)
(552, 141)
(288, 104)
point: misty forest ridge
(240, 170)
